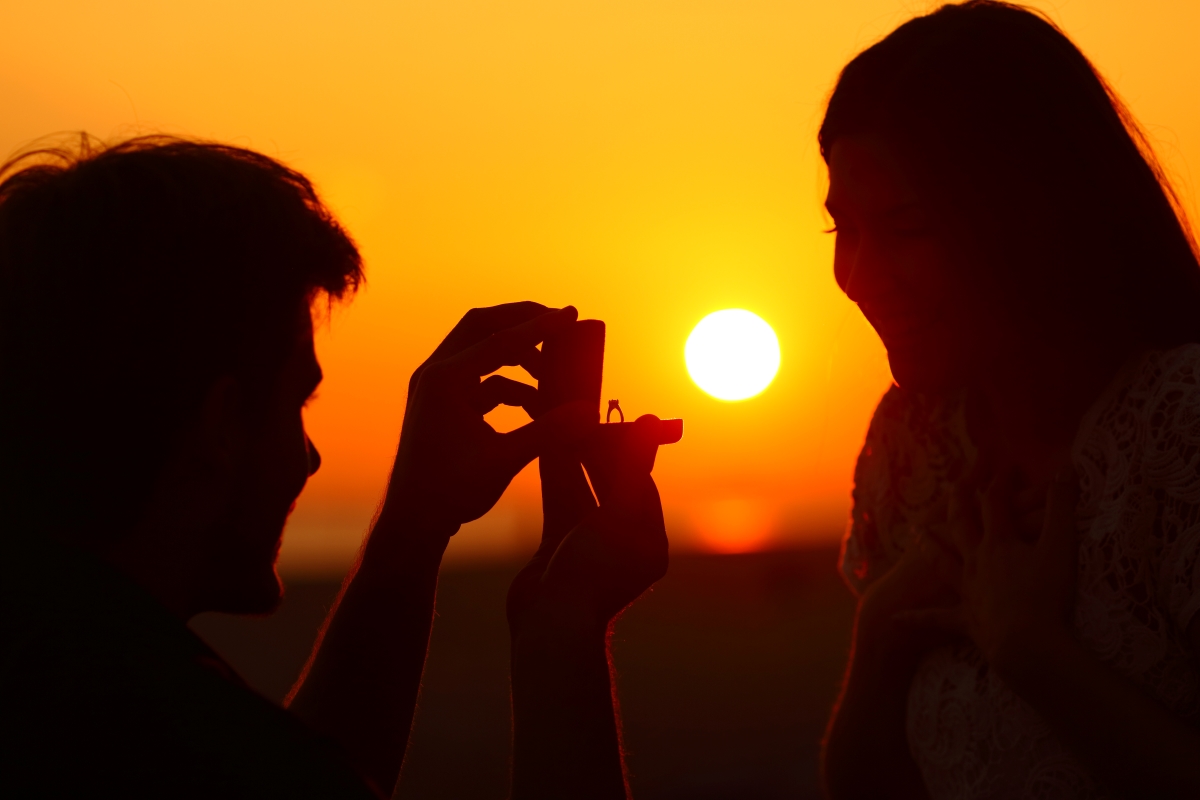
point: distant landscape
(727, 670)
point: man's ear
(222, 431)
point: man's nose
(314, 456)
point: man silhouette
(156, 353)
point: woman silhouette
(1026, 516)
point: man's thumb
(566, 426)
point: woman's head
(984, 179)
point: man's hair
(1022, 146)
(132, 278)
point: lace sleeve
(864, 554)
(916, 447)
(1171, 469)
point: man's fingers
(475, 326)
(558, 428)
(480, 323)
(509, 346)
(531, 362)
(498, 390)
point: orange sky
(648, 161)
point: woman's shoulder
(1156, 420)
(1173, 375)
(913, 439)
(1140, 506)
(906, 421)
(1175, 369)
(1155, 398)
(915, 447)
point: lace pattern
(1138, 457)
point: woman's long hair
(1036, 166)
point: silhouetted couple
(1026, 516)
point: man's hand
(451, 466)
(594, 560)
(361, 683)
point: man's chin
(267, 599)
(258, 594)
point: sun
(732, 354)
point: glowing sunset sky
(649, 162)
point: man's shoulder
(99, 688)
(77, 631)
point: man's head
(156, 345)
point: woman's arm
(1017, 607)
(361, 683)
(1126, 738)
(865, 752)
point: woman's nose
(314, 457)
(849, 273)
(843, 269)
(863, 272)
(852, 283)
